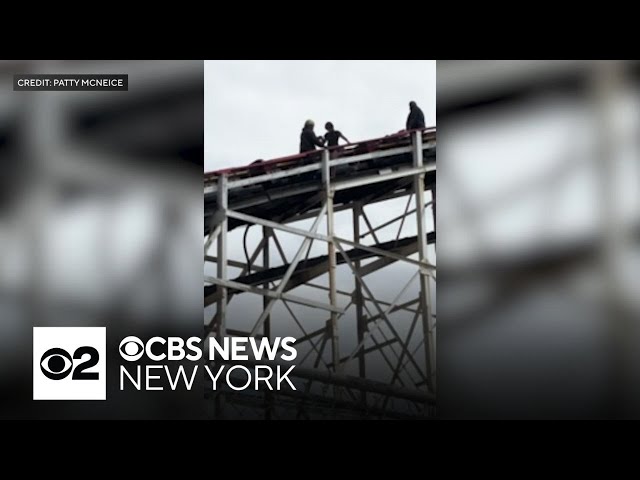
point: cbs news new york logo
(69, 363)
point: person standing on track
(415, 118)
(333, 136)
(308, 139)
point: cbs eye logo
(69, 363)
(57, 364)
(131, 348)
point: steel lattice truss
(361, 305)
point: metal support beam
(285, 279)
(221, 311)
(266, 331)
(222, 258)
(275, 295)
(333, 295)
(383, 314)
(407, 172)
(425, 300)
(318, 236)
(361, 321)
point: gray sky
(256, 109)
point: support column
(222, 258)
(609, 86)
(425, 300)
(222, 274)
(266, 330)
(333, 289)
(361, 321)
(434, 211)
(266, 235)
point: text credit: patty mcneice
(70, 82)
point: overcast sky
(256, 109)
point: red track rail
(388, 141)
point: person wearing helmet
(415, 118)
(333, 136)
(308, 139)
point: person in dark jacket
(333, 136)
(415, 118)
(308, 139)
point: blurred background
(100, 221)
(539, 222)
